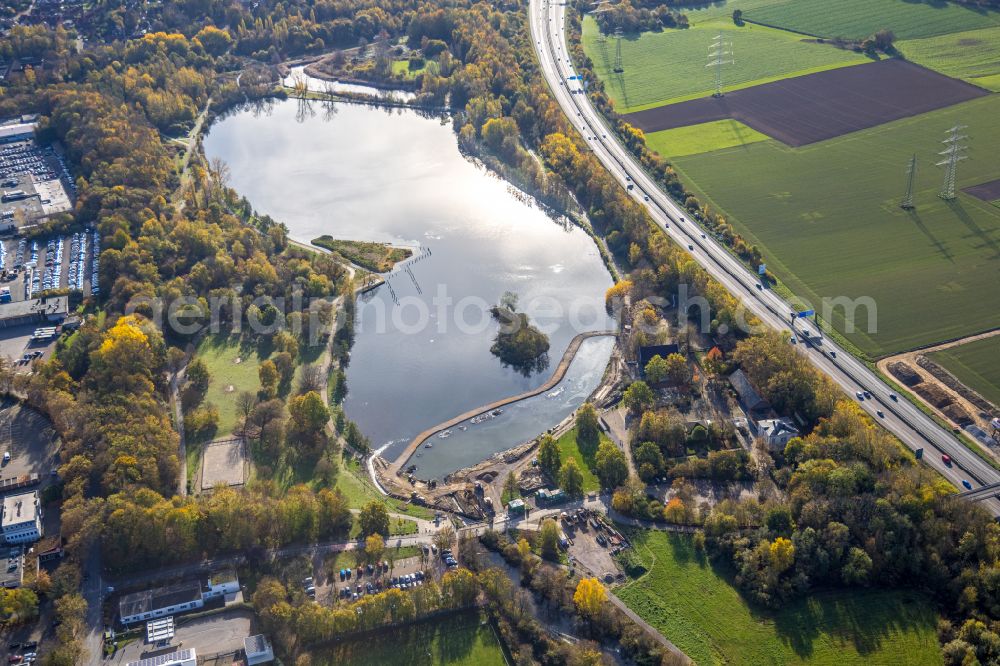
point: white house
(22, 518)
(221, 583)
(258, 650)
(776, 432)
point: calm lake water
(422, 351)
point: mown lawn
(404, 69)
(358, 489)
(458, 640)
(568, 448)
(976, 364)
(697, 608)
(669, 66)
(232, 367)
(857, 19)
(973, 56)
(703, 138)
(827, 220)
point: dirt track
(806, 109)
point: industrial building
(22, 518)
(17, 131)
(177, 598)
(36, 310)
(258, 650)
(179, 658)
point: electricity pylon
(618, 68)
(953, 153)
(720, 53)
(911, 174)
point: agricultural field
(857, 19)
(669, 66)
(703, 138)
(827, 220)
(568, 448)
(695, 605)
(972, 56)
(458, 640)
(976, 364)
(821, 105)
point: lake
(422, 348)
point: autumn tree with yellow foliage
(590, 597)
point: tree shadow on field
(941, 247)
(863, 619)
(985, 236)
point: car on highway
(946, 459)
(860, 395)
(833, 354)
(880, 414)
(703, 235)
(760, 286)
(868, 395)
(893, 397)
(968, 486)
(645, 197)
(690, 247)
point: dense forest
(850, 507)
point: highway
(913, 427)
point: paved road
(914, 428)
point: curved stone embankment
(556, 377)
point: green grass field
(232, 368)
(669, 66)
(857, 19)
(973, 56)
(458, 640)
(402, 68)
(358, 489)
(827, 220)
(703, 138)
(697, 608)
(976, 364)
(585, 460)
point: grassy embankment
(375, 257)
(695, 606)
(458, 640)
(976, 364)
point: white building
(179, 658)
(177, 598)
(776, 432)
(22, 518)
(17, 131)
(258, 650)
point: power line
(618, 68)
(954, 153)
(720, 53)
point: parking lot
(215, 634)
(29, 438)
(593, 543)
(329, 588)
(34, 181)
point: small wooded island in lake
(518, 343)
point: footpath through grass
(973, 56)
(669, 66)
(458, 640)
(698, 609)
(827, 220)
(857, 19)
(976, 364)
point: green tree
(657, 369)
(677, 370)
(649, 461)
(638, 397)
(571, 478)
(588, 430)
(611, 465)
(374, 547)
(549, 457)
(374, 519)
(510, 490)
(309, 417)
(549, 540)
